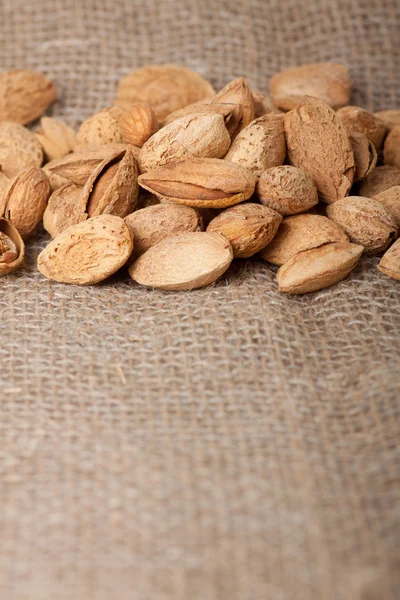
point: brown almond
(318, 143)
(390, 262)
(263, 104)
(104, 127)
(365, 155)
(381, 179)
(366, 222)
(155, 223)
(359, 120)
(138, 124)
(237, 92)
(203, 136)
(66, 207)
(391, 118)
(248, 227)
(232, 114)
(287, 189)
(391, 149)
(299, 233)
(24, 95)
(200, 182)
(19, 149)
(328, 81)
(87, 252)
(25, 200)
(12, 248)
(391, 199)
(4, 183)
(183, 262)
(318, 268)
(260, 145)
(165, 87)
(56, 138)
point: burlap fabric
(224, 444)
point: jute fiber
(230, 443)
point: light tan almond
(381, 179)
(260, 145)
(237, 92)
(390, 262)
(66, 207)
(328, 81)
(24, 95)
(299, 233)
(287, 189)
(19, 149)
(203, 136)
(318, 143)
(201, 182)
(248, 227)
(87, 252)
(183, 262)
(391, 199)
(365, 155)
(104, 127)
(366, 222)
(359, 120)
(12, 248)
(391, 150)
(138, 124)
(25, 200)
(391, 118)
(165, 87)
(232, 113)
(155, 223)
(56, 138)
(318, 268)
(263, 104)
(4, 183)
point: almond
(248, 227)
(237, 92)
(232, 114)
(4, 183)
(328, 81)
(66, 207)
(19, 149)
(263, 104)
(87, 252)
(359, 120)
(24, 95)
(299, 233)
(104, 127)
(390, 262)
(391, 150)
(201, 182)
(381, 179)
(56, 138)
(287, 190)
(183, 262)
(366, 222)
(318, 143)
(391, 199)
(365, 155)
(391, 118)
(12, 249)
(203, 136)
(138, 124)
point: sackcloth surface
(230, 443)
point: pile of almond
(174, 180)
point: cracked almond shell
(237, 92)
(390, 262)
(287, 189)
(365, 155)
(138, 124)
(382, 178)
(12, 248)
(318, 143)
(24, 95)
(263, 104)
(87, 252)
(359, 120)
(19, 149)
(56, 138)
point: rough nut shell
(263, 104)
(391, 118)
(56, 138)
(365, 155)
(24, 95)
(359, 120)
(366, 222)
(25, 200)
(66, 207)
(391, 149)
(318, 268)
(287, 190)
(381, 179)
(4, 183)
(88, 252)
(12, 248)
(201, 182)
(260, 145)
(202, 136)
(165, 87)
(104, 127)
(19, 149)
(391, 199)
(318, 143)
(390, 262)
(155, 223)
(299, 233)
(237, 92)
(138, 124)
(248, 227)
(183, 262)
(328, 81)
(232, 114)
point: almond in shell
(263, 104)
(390, 262)
(19, 149)
(24, 95)
(138, 124)
(391, 199)
(287, 189)
(391, 149)
(359, 120)
(104, 127)
(238, 92)
(382, 178)
(56, 138)
(232, 114)
(365, 155)
(12, 249)
(391, 118)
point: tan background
(224, 444)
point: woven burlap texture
(229, 443)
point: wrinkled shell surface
(318, 143)
(359, 120)
(184, 262)
(138, 124)
(165, 87)
(248, 227)
(391, 118)
(318, 268)
(88, 252)
(381, 179)
(155, 223)
(24, 95)
(203, 136)
(390, 262)
(366, 222)
(365, 155)
(201, 182)
(238, 92)
(391, 199)
(19, 149)
(12, 249)
(66, 207)
(56, 138)
(232, 114)
(263, 104)
(391, 149)
(328, 81)
(287, 189)
(299, 233)
(260, 145)
(104, 127)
